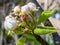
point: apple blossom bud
(23, 17)
(24, 9)
(26, 30)
(17, 9)
(10, 23)
(32, 6)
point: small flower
(17, 9)
(26, 30)
(24, 9)
(23, 17)
(32, 6)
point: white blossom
(10, 23)
(32, 6)
(24, 9)
(28, 7)
(17, 8)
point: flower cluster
(22, 20)
(19, 14)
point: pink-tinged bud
(23, 17)
(26, 30)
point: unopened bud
(23, 17)
(26, 30)
(17, 9)
(10, 23)
(24, 9)
(32, 6)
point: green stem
(34, 24)
(33, 19)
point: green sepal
(19, 31)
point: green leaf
(21, 41)
(42, 31)
(45, 15)
(31, 38)
(46, 27)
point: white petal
(7, 17)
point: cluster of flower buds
(29, 7)
(11, 23)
